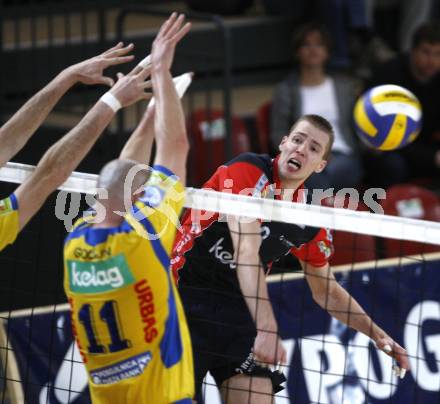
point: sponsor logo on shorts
(101, 276)
(126, 369)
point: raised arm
(246, 238)
(139, 144)
(169, 126)
(65, 155)
(331, 296)
(16, 132)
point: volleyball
(388, 117)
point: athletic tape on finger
(387, 349)
(399, 372)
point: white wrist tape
(144, 63)
(109, 99)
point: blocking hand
(91, 71)
(170, 33)
(393, 349)
(131, 88)
(268, 348)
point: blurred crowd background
(259, 64)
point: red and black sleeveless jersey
(203, 252)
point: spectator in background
(344, 19)
(419, 72)
(411, 14)
(299, 11)
(355, 43)
(311, 90)
(369, 18)
(222, 7)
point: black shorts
(222, 334)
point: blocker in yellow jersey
(126, 314)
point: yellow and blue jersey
(126, 313)
(9, 224)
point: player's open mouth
(295, 164)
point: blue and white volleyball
(388, 117)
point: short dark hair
(299, 36)
(428, 32)
(322, 124)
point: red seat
(413, 202)
(350, 247)
(207, 132)
(263, 127)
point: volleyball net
(389, 263)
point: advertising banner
(327, 362)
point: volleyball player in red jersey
(221, 265)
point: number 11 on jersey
(108, 314)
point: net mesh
(388, 263)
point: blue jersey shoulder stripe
(94, 236)
(14, 201)
(163, 170)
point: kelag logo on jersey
(102, 276)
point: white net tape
(268, 209)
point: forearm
(60, 160)
(337, 301)
(65, 155)
(253, 286)
(168, 105)
(138, 146)
(16, 132)
(341, 305)
(246, 239)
